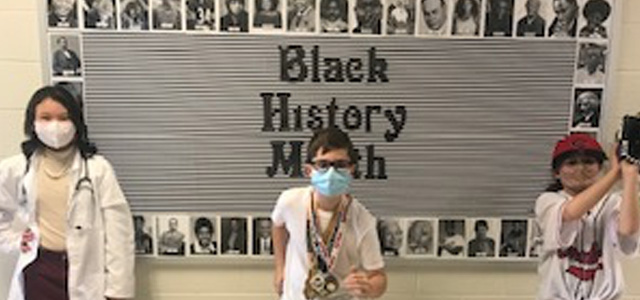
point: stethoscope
(83, 183)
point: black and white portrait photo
(590, 68)
(401, 16)
(595, 19)
(301, 15)
(75, 88)
(390, 233)
(433, 17)
(234, 236)
(204, 239)
(466, 18)
(262, 242)
(235, 17)
(451, 238)
(167, 14)
(100, 14)
(267, 14)
(62, 13)
(368, 17)
(333, 16)
(134, 14)
(531, 17)
(535, 239)
(586, 108)
(143, 230)
(565, 19)
(482, 237)
(499, 18)
(65, 55)
(513, 238)
(201, 15)
(421, 239)
(173, 233)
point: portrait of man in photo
(586, 111)
(66, 58)
(591, 63)
(390, 234)
(482, 244)
(201, 15)
(499, 18)
(420, 238)
(234, 236)
(171, 240)
(532, 24)
(513, 238)
(301, 16)
(368, 16)
(100, 14)
(63, 13)
(333, 16)
(143, 235)
(451, 238)
(262, 241)
(235, 18)
(167, 15)
(434, 14)
(205, 240)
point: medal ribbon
(326, 247)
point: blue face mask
(331, 182)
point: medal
(320, 284)
(323, 252)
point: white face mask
(55, 134)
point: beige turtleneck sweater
(53, 182)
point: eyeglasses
(323, 165)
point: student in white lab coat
(62, 210)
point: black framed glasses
(323, 165)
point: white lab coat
(100, 239)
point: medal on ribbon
(323, 251)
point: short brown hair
(331, 138)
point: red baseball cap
(581, 143)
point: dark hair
(557, 162)
(61, 38)
(228, 2)
(360, 3)
(342, 5)
(594, 6)
(202, 222)
(573, 3)
(66, 99)
(556, 185)
(480, 223)
(138, 218)
(274, 4)
(475, 8)
(328, 139)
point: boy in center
(325, 241)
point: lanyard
(325, 247)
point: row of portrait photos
(207, 235)
(442, 18)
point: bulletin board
(199, 113)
